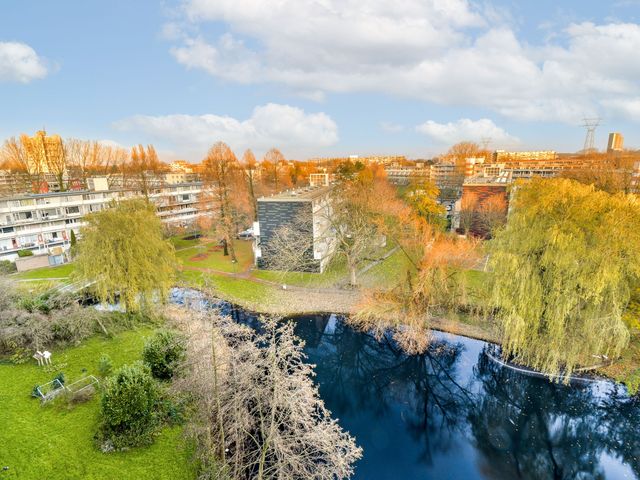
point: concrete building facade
(615, 143)
(308, 210)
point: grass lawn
(334, 274)
(55, 441)
(388, 273)
(60, 271)
(242, 291)
(206, 255)
(179, 242)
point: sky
(321, 77)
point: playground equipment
(50, 390)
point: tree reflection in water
(530, 428)
(519, 426)
(358, 372)
(453, 413)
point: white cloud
(466, 130)
(20, 63)
(629, 108)
(441, 51)
(271, 125)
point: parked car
(246, 234)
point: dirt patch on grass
(199, 257)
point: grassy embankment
(55, 441)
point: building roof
(305, 194)
(27, 196)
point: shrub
(7, 267)
(35, 393)
(25, 327)
(60, 378)
(163, 353)
(128, 409)
(25, 253)
(105, 365)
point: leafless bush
(258, 413)
(27, 324)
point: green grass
(179, 242)
(238, 290)
(388, 273)
(215, 260)
(60, 271)
(334, 274)
(55, 441)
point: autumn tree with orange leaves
(274, 168)
(250, 171)
(224, 197)
(143, 168)
(492, 214)
(432, 283)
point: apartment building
(312, 204)
(502, 156)
(40, 222)
(615, 142)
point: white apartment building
(40, 222)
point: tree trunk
(353, 275)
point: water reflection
(453, 413)
(529, 428)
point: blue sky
(321, 77)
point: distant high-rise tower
(616, 142)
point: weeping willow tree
(564, 270)
(123, 251)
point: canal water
(453, 413)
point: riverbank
(304, 301)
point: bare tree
(492, 214)
(290, 248)
(365, 212)
(144, 168)
(468, 209)
(250, 171)
(274, 164)
(259, 415)
(439, 286)
(224, 196)
(25, 176)
(458, 155)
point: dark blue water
(453, 413)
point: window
(72, 210)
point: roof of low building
(298, 195)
